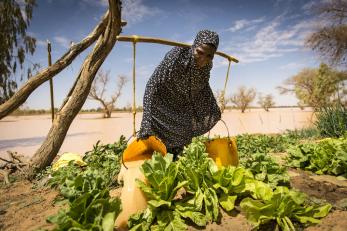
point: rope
(225, 86)
(134, 84)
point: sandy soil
(25, 134)
(24, 208)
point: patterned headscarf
(206, 37)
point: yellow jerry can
(142, 149)
(133, 199)
(223, 151)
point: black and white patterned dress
(178, 102)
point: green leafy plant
(87, 189)
(266, 169)
(299, 155)
(90, 211)
(248, 144)
(197, 168)
(304, 133)
(332, 121)
(283, 207)
(253, 152)
(230, 182)
(207, 188)
(328, 156)
(160, 190)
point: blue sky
(266, 36)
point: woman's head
(204, 47)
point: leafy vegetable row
(328, 156)
(194, 189)
(87, 190)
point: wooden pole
(50, 80)
(136, 38)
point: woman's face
(203, 55)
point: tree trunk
(34, 82)
(72, 105)
(107, 113)
(108, 110)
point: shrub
(332, 121)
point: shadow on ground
(24, 142)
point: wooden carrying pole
(136, 38)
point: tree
(266, 101)
(106, 35)
(14, 43)
(315, 87)
(243, 97)
(98, 90)
(330, 40)
(222, 102)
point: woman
(178, 101)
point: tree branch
(24, 92)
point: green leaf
(256, 210)
(258, 189)
(148, 191)
(158, 203)
(322, 211)
(197, 217)
(108, 221)
(169, 220)
(227, 202)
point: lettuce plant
(283, 207)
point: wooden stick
(136, 38)
(8, 161)
(5, 174)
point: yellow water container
(132, 198)
(223, 151)
(142, 149)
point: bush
(332, 121)
(304, 133)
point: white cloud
(243, 23)
(273, 40)
(62, 41)
(220, 62)
(41, 43)
(308, 5)
(134, 11)
(291, 66)
(144, 71)
(101, 3)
